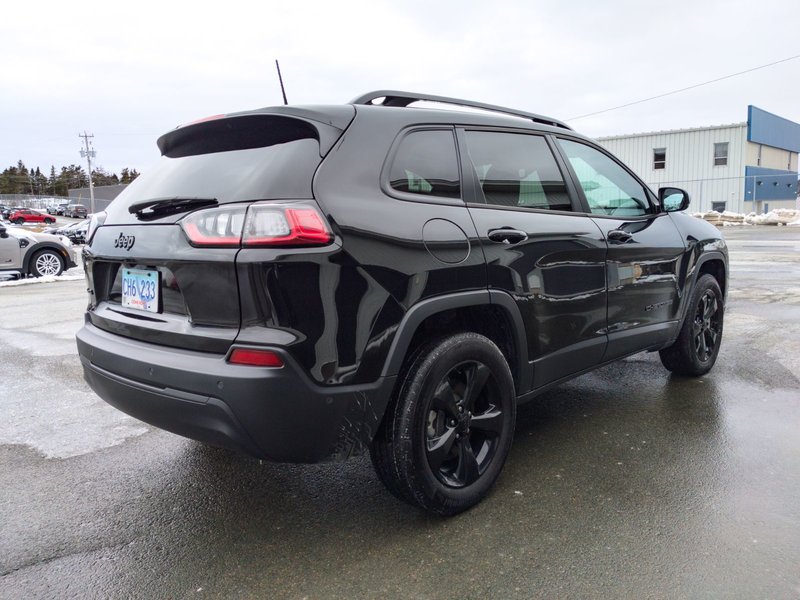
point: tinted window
(426, 164)
(609, 189)
(517, 170)
(279, 171)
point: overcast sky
(128, 72)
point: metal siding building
(761, 161)
(103, 195)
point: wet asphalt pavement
(626, 482)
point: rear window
(232, 159)
(279, 171)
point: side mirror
(673, 199)
(3, 232)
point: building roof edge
(670, 131)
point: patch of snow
(779, 217)
(69, 275)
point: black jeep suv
(303, 283)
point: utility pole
(88, 152)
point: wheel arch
(487, 312)
(714, 264)
(32, 250)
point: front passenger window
(609, 189)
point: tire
(49, 221)
(444, 440)
(19, 220)
(696, 349)
(46, 262)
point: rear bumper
(277, 414)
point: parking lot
(626, 482)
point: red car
(30, 216)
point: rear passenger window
(517, 170)
(426, 164)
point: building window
(718, 206)
(720, 154)
(659, 158)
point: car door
(645, 250)
(549, 258)
(10, 252)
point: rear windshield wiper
(161, 207)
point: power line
(691, 87)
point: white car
(35, 254)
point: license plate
(141, 289)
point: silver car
(35, 254)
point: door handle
(617, 235)
(506, 235)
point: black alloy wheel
(695, 350)
(444, 440)
(464, 423)
(706, 326)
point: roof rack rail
(398, 98)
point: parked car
(401, 294)
(57, 208)
(26, 215)
(76, 211)
(7, 211)
(37, 254)
(75, 232)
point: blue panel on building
(769, 184)
(765, 128)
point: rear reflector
(255, 358)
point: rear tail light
(254, 357)
(219, 227)
(286, 225)
(259, 224)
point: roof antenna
(283, 91)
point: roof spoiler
(255, 129)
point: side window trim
(654, 206)
(469, 178)
(471, 188)
(385, 184)
(573, 189)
